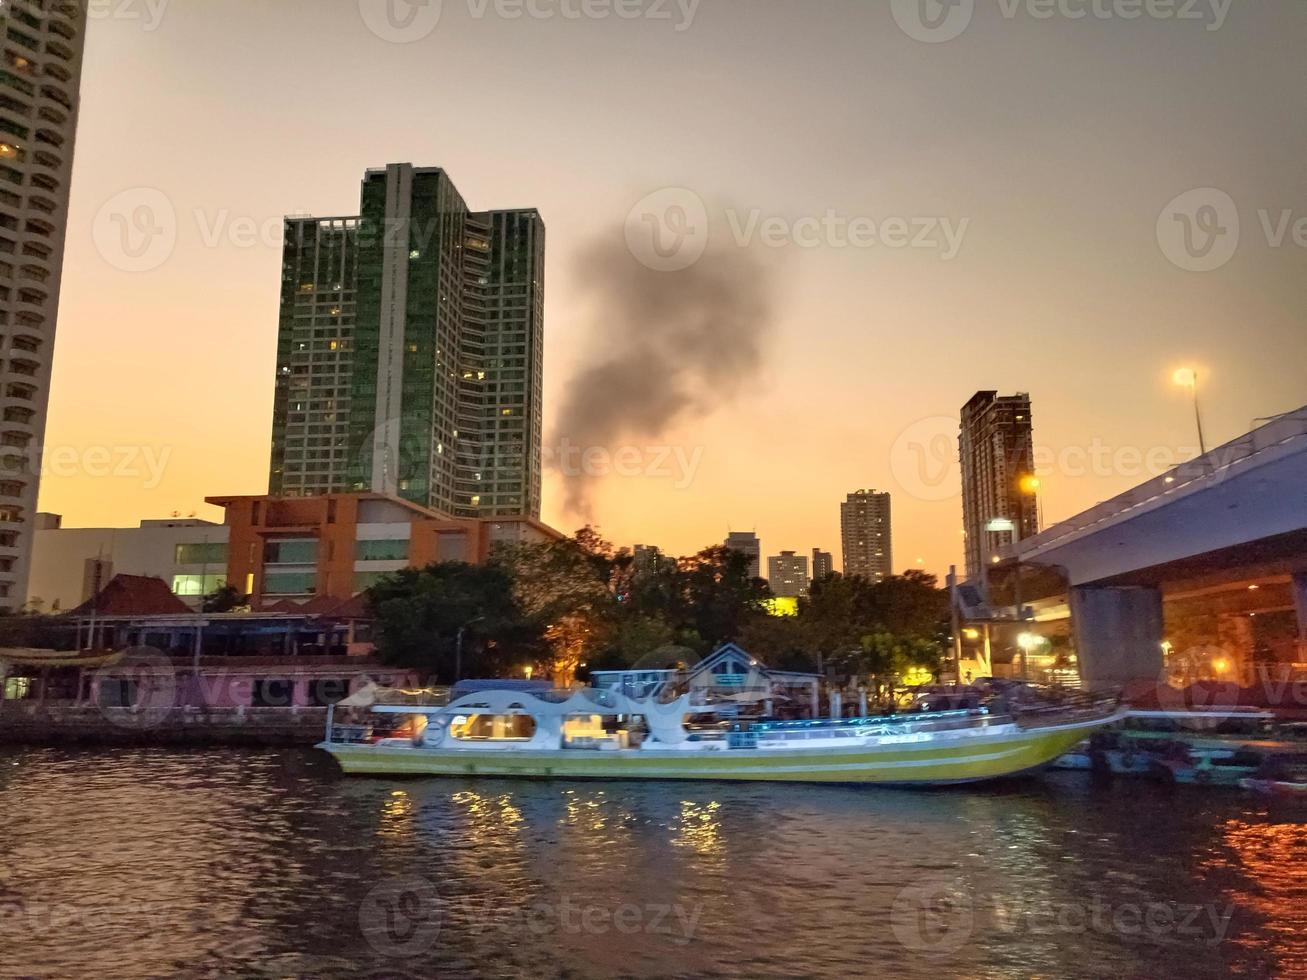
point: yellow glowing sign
(916, 677)
(782, 606)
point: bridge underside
(1240, 607)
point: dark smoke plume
(669, 347)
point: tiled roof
(133, 595)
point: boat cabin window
(493, 728)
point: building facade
(748, 544)
(288, 551)
(823, 564)
(788, 574)
(69, 565)
(998, 482)
(314, 552)
(39, 96)
(647, 559)
(867, 536)
(410, 353)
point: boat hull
(922, 763)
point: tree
(885, 656)
(876, 629)
(420, 614)
(782, 642)
(566, 590)
(718, 596)
(224, 600)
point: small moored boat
(1280, 775)
(1219, 747)
(603, 734)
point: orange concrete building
(320, 550)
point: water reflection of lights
(396, 815)
(586, 813)
(700, 828)
(499, 808)
(490, 816)
(1269, 855)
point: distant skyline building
(997, 452)
(748, 543)
(40, 94)
(787, 573)
(823, 564)
(410, 354)
(866, 532)
(648, 558)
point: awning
(56, 658)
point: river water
(154, 863)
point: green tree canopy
(420, 612)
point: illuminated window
(493, 728)
(197, 585)
(201, 554)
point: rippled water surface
(225, 863)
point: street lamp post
(1188, 378)
(458, 648)
(1027, 642)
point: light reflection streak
(588, 814)
(396, 816)
(1270, 857)
(700, 828)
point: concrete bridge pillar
(1300, 600)
(1118, 634)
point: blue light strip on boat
(792, 726)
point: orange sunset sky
(1060, 143)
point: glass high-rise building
(866, 536)
(40, 80)
(411, 351)
(998, 484)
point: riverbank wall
(54, 725)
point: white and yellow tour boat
(603, 734)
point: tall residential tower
(787, 573)
(411, 351)
(823, 564)
(39, 97)
(998, 482)
(866, 533)
(747, 543)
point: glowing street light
(1188, 378)
(1027, 642)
